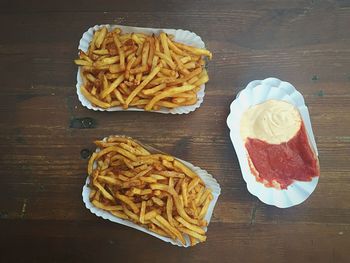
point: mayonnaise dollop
(273, 121)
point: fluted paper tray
(256, 92)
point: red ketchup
(284, 162)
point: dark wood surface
(42, 216)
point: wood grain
(42, 172)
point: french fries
(154, 190)
(139, 70)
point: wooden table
(42, 216)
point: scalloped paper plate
(183, 36)
(257, 92)
(208, 179)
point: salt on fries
(142, 71)
(153, 190)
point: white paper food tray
(256, 92)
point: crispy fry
(205, 207)
(106, 61)
(142, 85)
(148, 179)
(181, 66)
(203, 79)
(119, 96)
(172, 174)
(164, 228)
(112, 87)
(168, 164)
(193, 241)
(106, 207)
(185, 59)
(187, 95)
(192, 227)
(166, 59)
(101, 52)
(194, 50)
(178, 185)
(203, 197)
(127, 201)
(91, 163)
(184, 193)
(93, 99)
(175, 49)
(92, 45)
(193, 73)
(119, 214)
(168, 93)
(136, 39)
(143, 192)
(92, 194)
(201, 238)
(193, 183)
(103, 191)
(90, 77)
(184, 169)
(118, 150)
(129, 213)
(151, 51)
(193, 80)
(150, 215)
(128, 66)
(120, 50)
(82, 62)
(142, 213)
(161, 80)
(154, 89)
(143, 172)
(145, 52)
(189, 101)
(171, 182)
(154, 61)
(126, 173)
(159, 232)
(190, 65)
(179, 100)
(139, 69)
(157, 201)
(132, 149)
(172, 229)
(164, 42)
(101, 35)
(109, 180)
(166, 157)
(194, 208)
(131, 183)
(168, 72)
(169, 210)
(180, 209)
(116, 68)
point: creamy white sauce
(273, 121)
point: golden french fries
(139, 70)
(154, 190)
